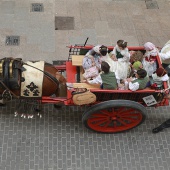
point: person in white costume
(165, 54)
(149, 61)
(120, 59)
(159, 77)
(99, 54)
(95, 53)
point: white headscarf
(97, 48)
(151, 50)
(149, 46)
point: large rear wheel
(114, 116)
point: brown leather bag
(82, 98)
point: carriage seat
(10, 73)
(87, 86)
(77, 60)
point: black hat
(103, 50)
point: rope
(46, 73)
(164, 90)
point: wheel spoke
(101, 122)
(97, 119)
(129, 119)
(114, 123)
(130, 115)
(107, 123)
(100, 115)
(127, 111)
(104, 112)
(121, 110)
(121, 121)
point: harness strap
(46, 73)
(6, 71)
(9, 89)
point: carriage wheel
(114, 116)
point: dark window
(12, 40)
(151, 4)
(37, 7)
(64, 23)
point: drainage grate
(12, 40)
(64, 23)
(151, 4)
(37, 7)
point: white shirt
(133, 86)
(163, 78)
(165, 56)
(98, 79)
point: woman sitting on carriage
(97, 54)
(92, 61)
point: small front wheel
(114, 116)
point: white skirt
(119, 67)
(150, 68)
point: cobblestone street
(59, 141)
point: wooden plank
(77, 60)
(86, 85)
(81, 73)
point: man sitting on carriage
(107, 79)
(140, 82)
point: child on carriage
(137, 65)
(158, 77)
(136, 56)
(120, 59)
(120, 52)
(139, 82)
(107, 79)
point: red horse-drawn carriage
(113, 111)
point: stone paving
(59, 140)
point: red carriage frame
(114, 110)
